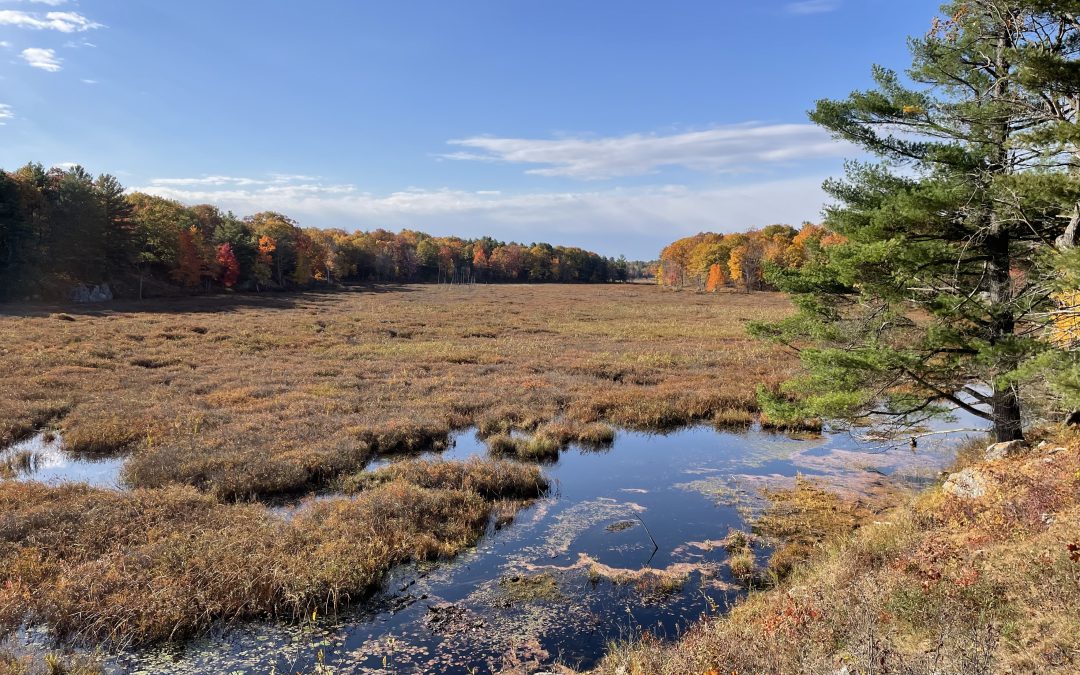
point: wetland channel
(626, 541)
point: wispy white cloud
(641, 219)
(812, 6)
(235, 181)
(6, 113)
(205, 181)
(45, 59)
(89, 81)
(730, 148)
(4, 44)
(65, 22)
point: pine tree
(935, 298)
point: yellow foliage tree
(1065, 325)
(735, 264)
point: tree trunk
(1068, 238)
(1008, 425)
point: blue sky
(613, 125)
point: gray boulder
(1005, 449)
(966, 484)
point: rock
(966, 484)
(83, 293)
(1005, 449)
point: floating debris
(530, 587)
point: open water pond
(627, 541)
(42, 457)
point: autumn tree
(62, 226)
(509, 261)
(283, 232)
(746, 263)
(305, 263)
(191, 261)
(479, 261)
(228, 266)
(716, 278)
(264, 260)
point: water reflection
(42, 458)
(629, 540)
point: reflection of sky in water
(50, 464)
(666, 481)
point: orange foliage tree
(716, 278)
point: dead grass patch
(100, 566)
(490, 479)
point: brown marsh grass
(130, 568)
(219, 400)
(253, 396)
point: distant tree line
(60, 228)
(709, 261)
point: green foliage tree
(940, 290)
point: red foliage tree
(229, 266)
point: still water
(627, 541)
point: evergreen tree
(940, 292)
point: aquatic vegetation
(491, 479)
(804, 517)
(734, 418)
(646, 580)
(50, 663)
(530, 587)
(573, 521)
(743, 491)
(743, 565)
(535, 448)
